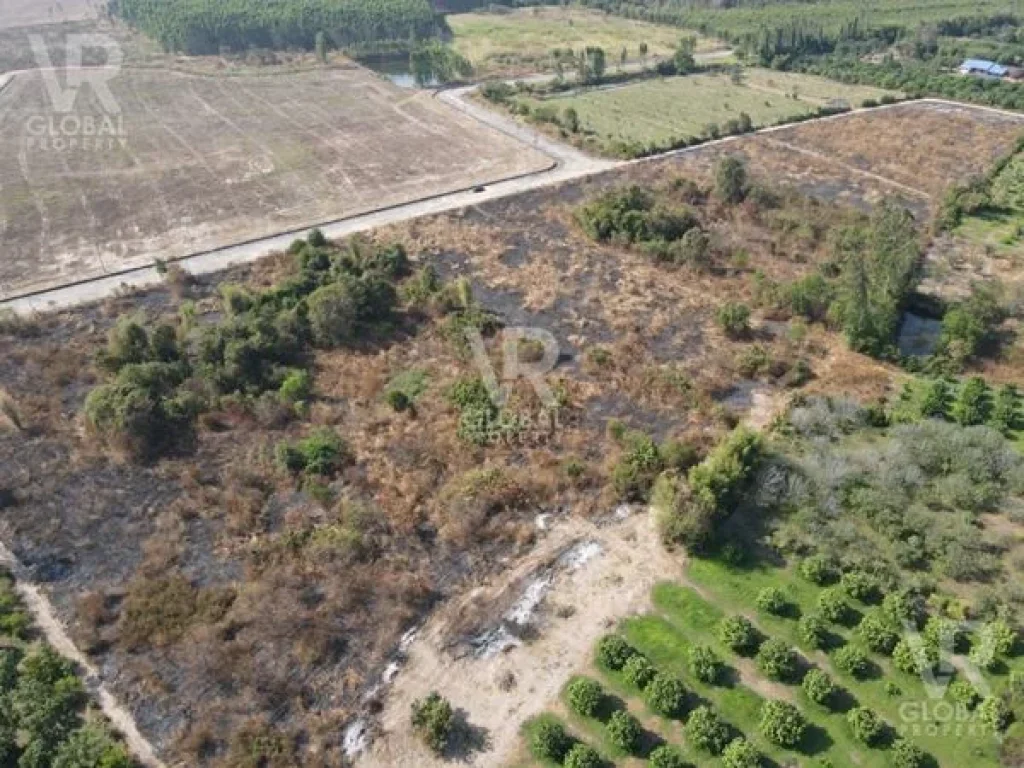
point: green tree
(667, 756)
(613, 652)
(740, 753)
(704, 730)
(638, 671)
(782, 723)
(731, 180)
(571, 120)
(549, 741)
(739, 635)
(851, 660)
(877, 633)
(906, 754)
(772, 600)
(333, 312)
(777, 660)
(666, 695)
(865, 725)
(624, 731)
(832, 605)
(819, 687)
(321, 46)
(433, 720)
(994, 713)
(585, 696)
(91, 746)
(582, 756)
(704, 664)
(972, 404)
(813, 630)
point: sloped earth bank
(599, 572)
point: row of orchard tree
(200, 27)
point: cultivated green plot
(526, 38)
(659, 111)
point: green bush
(972, 404)
(704, 664)
(819, 687)
(739, 635)
(963, 692)
(833, 607)
(638, 671)
(818, 569)
(624, 731)
(297, 387)
(777, 660)
(782, 724)
(905, 754)
(666, 695)
(903, 607)
(704, 730)
(740, 753)
(772, 600)
(323, 453)
(638, 467)
(333, 311)
(940, 632)
(582, 756)
(859, 586)
(613, 652)
(666, 756)
(549, 741)
(433, 720)
(865, 725)
(731, 180)
(813, 630)
(994, 714)
(585, 696)
(1000, 636)
(734, 319)
(914, 659)
(91, 746)
(878, 634)
(852, 661)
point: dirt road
(47, 622)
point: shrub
(772, 600)
(819, 687)
(666, 695)
(908, 755)
(624, 731)
(637, 468)
(878, 634)
(332, 311)
(995, 714)
(1000, 636)
(777, 660)
(851, 660)
(734, 319)
(739, 635)
(859, 586)
(914, 658)
(782, 724)
(813, 630)
(706, 731)
(940, 632)
(582, 756)
(584, 696)
(704, 664)
(903, 607)
(549, 741)
(818, 569)
(666, 756)
(832, 605)
(323, 453)
(613, 652)
(731, 180)
(741, 754)
(432, 720)
(962, 692)
(297, 387)
(865, 725)
(972, 404)
(90, 746)
(638, 671)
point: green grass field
(1002, 226)
(663, 109)
(524, 39)
(682, 618)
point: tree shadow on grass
(610, 704)
(649, 741)
(466, 739)
(842, 701)
(815, 741)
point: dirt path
(498, 693)
(46, 620)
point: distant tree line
(200, 27)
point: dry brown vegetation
(237, 609)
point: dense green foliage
(705, 730)
(624, 731)
(777, 660)
(782, 723)
(613, 652)
(433, 720)
(207, 26)
(739, 635)
(253, 358)
(740, 753)
(584, 696)
(865, 725)
(666, 695)
(819, 687)
(582, 756)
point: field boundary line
(47, 622)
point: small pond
(919, 336)
(396, 69)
